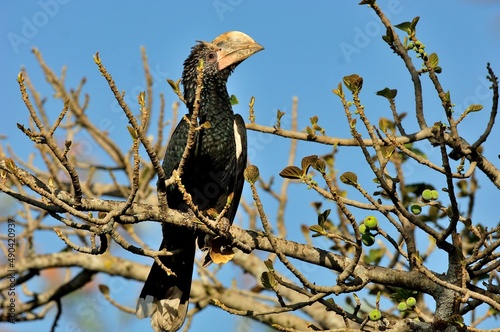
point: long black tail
(166, 297)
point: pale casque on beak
(234, 47)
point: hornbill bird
(212, 173)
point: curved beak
(234, 47)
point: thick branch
(418, 136)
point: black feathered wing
(240, 133)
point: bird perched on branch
(212, 173)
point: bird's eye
(211, 56)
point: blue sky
(309, 47)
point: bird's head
(219, 57)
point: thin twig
(494, 109)
(132, 120)
(401, 51)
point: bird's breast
(216, 144)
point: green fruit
(427, 195)
(363, 229)
(375, 315)
(368, 239)
(411, 301)
(371, 222)
(416, 209)
(402, 306)
(434, 194)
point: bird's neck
(214, 101)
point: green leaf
(354, 83)
(433, 60)
(317, 229)
(315, 126)
(320, 166)
(132, 132)
(268, 280)
(408, 27)
(349, 178)
(318, 128)
(447, 97)
(388, 151)
(141, 98)
(374, 256)
(307, 162)
(413, 24)
(385, 124)
(291, 172)
(251, 174)
(96, 57)
(389, 36)
(405, 26)
(338, 91)
(401, 116)
(234, 100)
(311, 135)
(387, 40)
(323, 217)
(474, 108)
(269, 265)
(390, 94)
(174, 85)
(279, 115)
